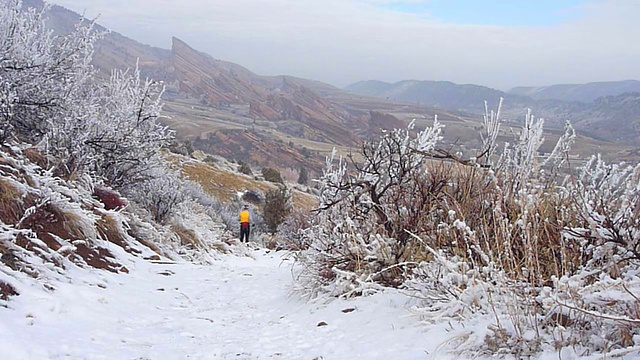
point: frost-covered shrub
(607, 204)
(360, 233)
(43, 76)
(552, 259)
(50, 95)
(291, 231)
(124, 142)
(159, 195)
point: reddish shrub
(110, 198)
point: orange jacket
(244, 216)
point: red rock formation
(221, 83)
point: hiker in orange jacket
(245, 223)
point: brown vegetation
(225, 185)
(6, 291)
(109, 229)
(10, 205)
(187, 237)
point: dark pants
(244, 232)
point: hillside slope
(441, 94)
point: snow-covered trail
(237, 308)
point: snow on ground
(236, 308)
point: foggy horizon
(341, 42)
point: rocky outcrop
(294, 108)
(218, 82)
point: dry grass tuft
(110, 230)
(534, 253)
(187, 237)
(36, 157)
(11, 208)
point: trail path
(238, 308)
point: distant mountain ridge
(578, 92)
(442, 94)
(615, 116)
(289, 106)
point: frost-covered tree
(42, 76)
(125, 137)
(50, 95)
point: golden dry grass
(10, 205)
(224, 185)
(187, 237)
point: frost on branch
(50, 96)
(42, 76)
(125, 138)
(358, 237)
(84, 132)
(551, 259)
(607, 202)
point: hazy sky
(497, 43)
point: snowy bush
(42, 76)
(52, 96)
(360, 233)
(91, 136)
(551, 258)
